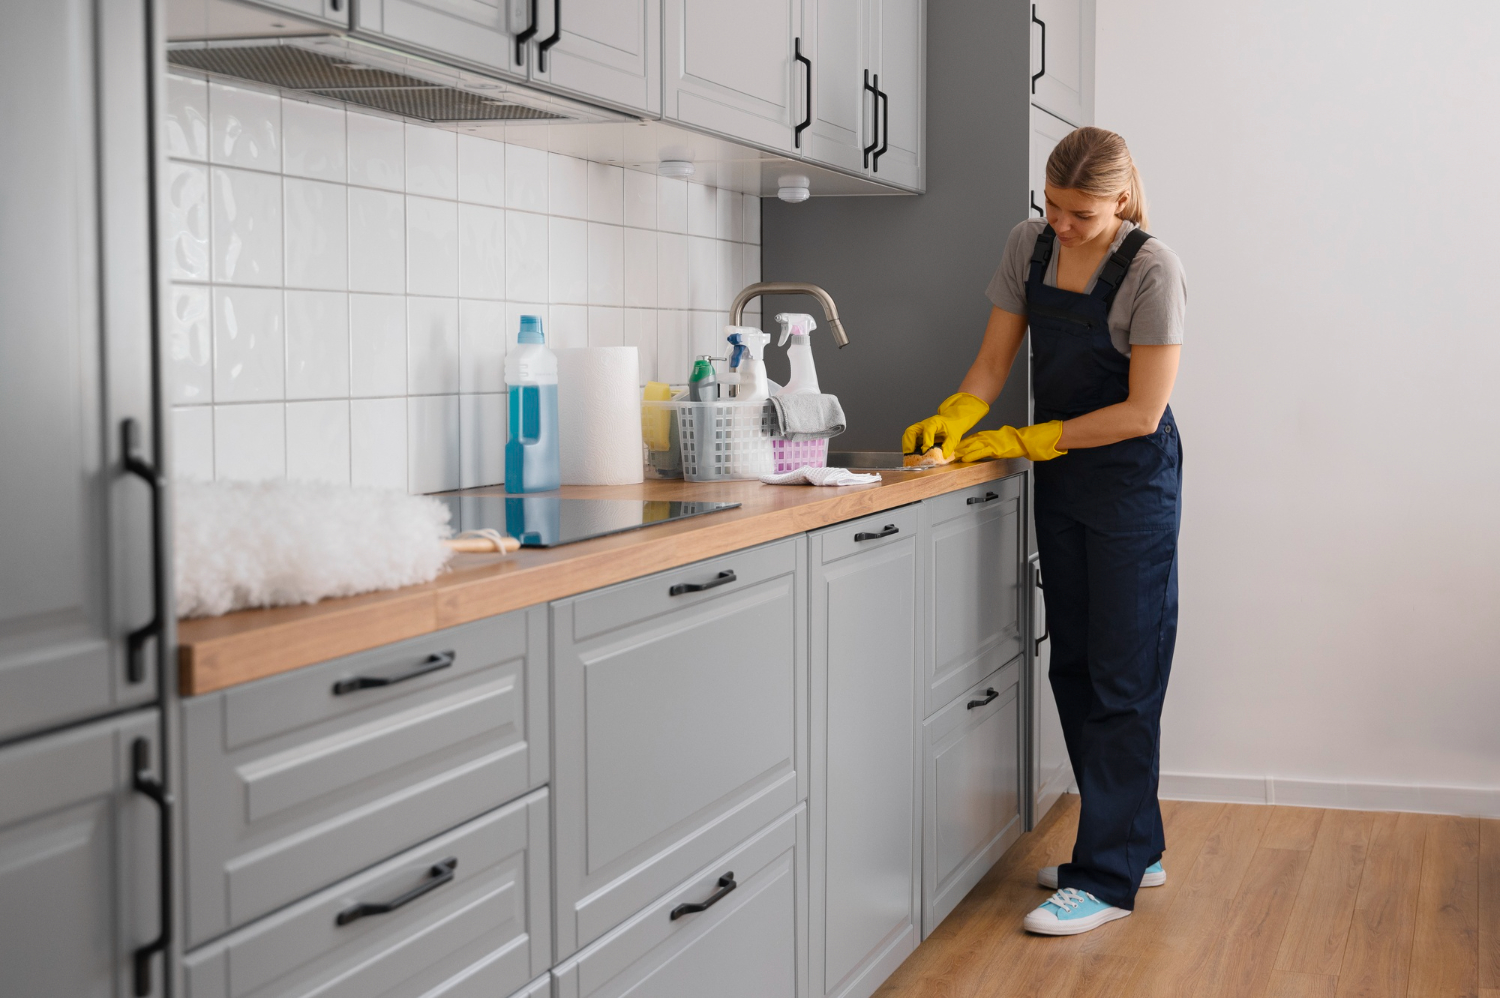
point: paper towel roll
(599, 415)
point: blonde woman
(1105, 303)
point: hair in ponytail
(1097, 162)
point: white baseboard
(1477, 802)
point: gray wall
(909, 273)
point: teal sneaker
(1069, 912)
(1155, 877)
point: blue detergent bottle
(531, 448)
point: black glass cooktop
(547, 521)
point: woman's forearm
(1003, 335)
(1109, 425)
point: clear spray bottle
(795, 326)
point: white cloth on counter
(836, 477)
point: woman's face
(1079, 218)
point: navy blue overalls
(1106, 521)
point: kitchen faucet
(830, 310)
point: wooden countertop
(216, 652)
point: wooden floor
(1260, 902)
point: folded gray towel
(808, 417)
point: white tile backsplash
(346, 285)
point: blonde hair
(1096, 162)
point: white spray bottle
(752, 367)
(795, 326)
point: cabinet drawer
(867, 533)
(297, 780)
(485, 927)
(972, 548)
(678, 733)
(748, 944)
(972, 790)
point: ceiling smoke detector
(794, 188)
(675, 168)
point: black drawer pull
(726, 884)
(988, 497)
(888, 530)
(989, 695)
(439, 660)
(441, 873)
(722, 579)
(143, 781)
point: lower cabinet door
(972, 786)
(465, 913)
(735, 929)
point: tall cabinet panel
(834, 40)
(480, 32)
(603, 50)
(900, 47)
(1062, 58)
(1047, 130)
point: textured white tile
(702, 211)
(525, 178)
(640, 268)
(671, 270)
(481, 433)
(317, 345)
(431, 246)
(570, 327)
(567, 186)
(513, 312)
(640, 332)
(481, 251)
(189, 346)
(525, 256)
(377, 443)
(481, 171)
(671, 204)
(751, 229)
(246, 227)
(244, 127)
(193, 442)
(568, 261)
(606, 326)
(317, 441)
(185, 227)
(249, 345)
(674, 359)
(377, 151)
(186, 122)
(432, 431)
(703, 272)
(729, 273)
(431, 161)
(606, 193)
(250, 441)
(377, 345)
(431, 346)
(317, 234)
(731, 214)
(606, 264)
(706, 334)
(640, 199)
(377, 241)
(481, 346)
(313, 143)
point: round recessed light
(675, 168)
(793, 188)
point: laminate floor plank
(1227, 852)
(1489, 906)
(1286, 984)
(1292, 828)
(1445, 946)
(1187, 825)
(1244, 955)
(1314, 942)
(1377, 954)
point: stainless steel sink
(865, 459)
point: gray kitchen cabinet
(1062, 58)
(972, 773)
(1047, 130)
(479, 33)
(749, 941)
(334, 13)
(679, 723)
(864, 626)
(728, 68)
(462, 914)
(295, 781)
(972, 548)
(606, 51)
(79, 872)
(899, 58)
(835, 40)
(76, 535)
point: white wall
(1328, 174)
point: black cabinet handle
(135, 463)
(976, 500)
(874, 91)
(888, 530)
(1046, 624)
(722, 579)
(524, 36)
(1043, 71)
(807, 102)
(1035, 207)
(885, 125)
(335, 5)
(434, 662)
(550, 40)
(989, 695)
(441, 873)
(726, 884)
(145, 782)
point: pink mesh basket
(789, 455)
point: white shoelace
(1069, 898)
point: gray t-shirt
(1150, 308)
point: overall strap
(1041, 255)
(1119, 262)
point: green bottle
(703, 386)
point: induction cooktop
(547, 521)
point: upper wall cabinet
(603, 50)
(335, 12)
(1047, 130)
(481, 33)
(727, 68)
(899, 43)
(1062, 58)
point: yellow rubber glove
(955, 417)
(1039, 443)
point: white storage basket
(726, 440)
